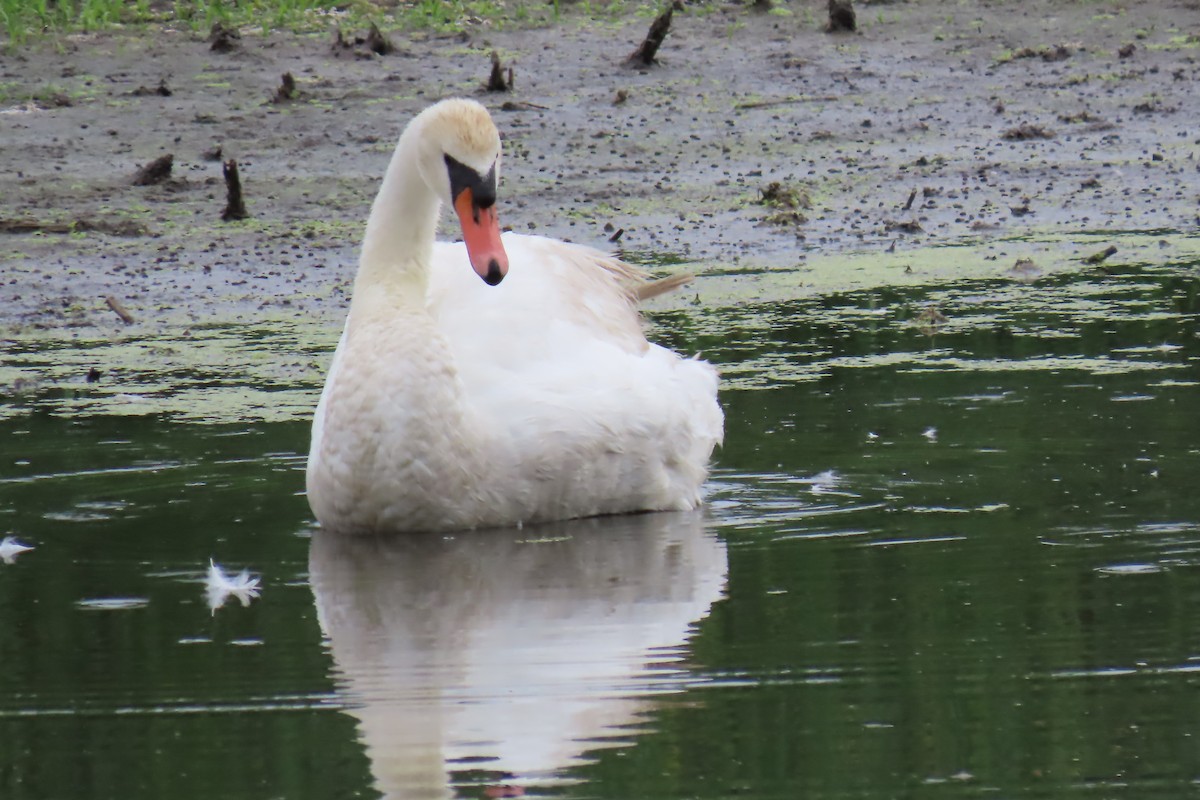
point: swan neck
(398, 246)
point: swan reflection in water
(511, 652)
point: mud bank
(1011, 128)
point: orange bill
(481, 234)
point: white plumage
(10, 548)
(456, 404)
(219, 586)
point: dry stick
(34, 226)
(496, 81)
(339, 41)
(223, 39)
(911, 197)
(841, 17)
(378, 43)
(119, 309)
(113, 228)
(644, 55)
(156, 171)
(1098, 258)
(510, 105)
(1026, 131)
(786, 101)
(235, 207)
(162, 90)
(287, 89)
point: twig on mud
(1026, 132)
(1052, 52)
(156, 171)
(1025, 270)
(52, 100)
(286, 90)
(119, 309)
(33, 226)
(841, 17)
(785, 101)
(375, 43)
(124, 227)
(509, 105)
(340, 43)
(1079, 116)
(496, 81)
(1098, 258)
(645, 53)
(235, 206)
(903, 225)
(785, 203)
(378, 43)
(223, 39)
(162, 90)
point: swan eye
(483, 187)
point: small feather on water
(10, 548)
(219, 586)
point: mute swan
(530, 395)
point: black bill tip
(494, 275)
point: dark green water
(948, 558)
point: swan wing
(549, 282)
(560, 372)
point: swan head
(459, 159)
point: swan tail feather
(662, 286)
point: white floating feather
(219, 586)
(10, 548)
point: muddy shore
(990, 124)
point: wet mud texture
(935, 123)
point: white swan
(530, 395)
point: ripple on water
(89, 511)
(1130, 569)
(113, 603)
